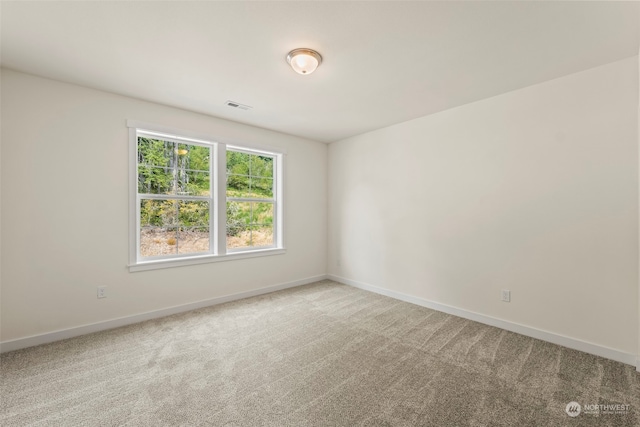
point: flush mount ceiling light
(304, 61)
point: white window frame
(217, 199)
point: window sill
(203, 259)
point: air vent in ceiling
(234, 104)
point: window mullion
(173, 197)
(220, 172)
(213, 205)
(278, 192)
(134, 210)
(250, 199)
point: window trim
(218, 238)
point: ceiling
(384, 62)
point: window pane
(154, 152)
(193, 214)
(238, 238)
(251, 236)
(198, 157)
(262, 166)
(262, 214)
(249, 175)
(238, 186)
(193, 240)
(261, 235)
(261, 188)
(238, 214)
(238, 163)
(155, 174)
(198, 183)
(244, 186)
(165, 167)
(155, 241)
(238, 219)
(173, 226)
(154, 180)
(249, 224)
(158, 213)
(158, 221)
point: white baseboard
(48, 337)
(587, 347)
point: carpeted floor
(318, 355)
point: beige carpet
(318, 355)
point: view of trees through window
(174, 187)
(174, 181)
(249, 200)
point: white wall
(65, 210)
(535, 191)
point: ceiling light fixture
(304, 61)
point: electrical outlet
(102, 291)
(506, 295)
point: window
(250, 199)
(197, 200)
(174, 196)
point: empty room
(319, 213)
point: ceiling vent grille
(237, 105)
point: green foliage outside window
(165, 167)
(249, 176)
(169, 168)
